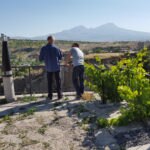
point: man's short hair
(50, 38)
(75, 45)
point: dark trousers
(50, 83)
(78, 79)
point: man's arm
(68, 58)
(41, 56)
(60, 54)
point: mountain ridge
(108, 32)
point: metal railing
(32, 79)
(27, 71)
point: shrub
(137, 91)
(102, 122)
(103, 81)
(125, 81)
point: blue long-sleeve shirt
(51, 55)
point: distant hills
(108, 32)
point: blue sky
(41, 17)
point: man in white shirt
(78, 69)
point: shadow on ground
(83, 113)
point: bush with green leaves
(102, 122)
(147, 62)
(128, 81)
(137, 91)
(104, 82)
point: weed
(66, 98)
(22, 135)
(2, 145)
(85, 127)
(80, 109)
(90, 119)
(8, 129)
(102, 122)
(40, 119)
(30, 112)
(42, 129)
(26, 99)
(6, 119)
(46, 145)
(26, 142)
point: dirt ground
(40, 126)
(68, 124)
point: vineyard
(127, 81)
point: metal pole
(7, 72)
(30, 80)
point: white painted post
(8, 81)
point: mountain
(107, 32)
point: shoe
(48, 99)
(60, 97)
(78, 97)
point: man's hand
(68, 58)
(68, 65)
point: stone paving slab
(131, 127)
(104, 138)
(144, 147)
(12, 108)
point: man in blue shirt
(51, 55)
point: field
(27, 51)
